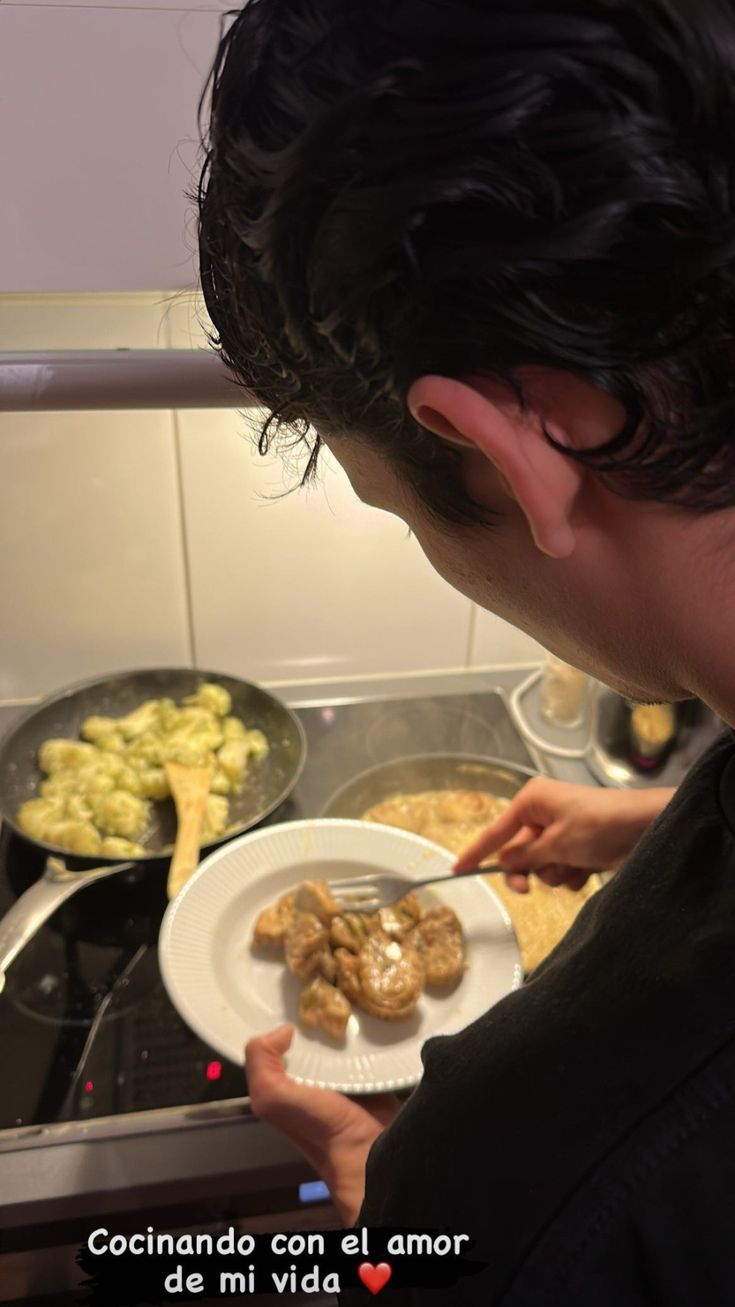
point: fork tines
(360, 895)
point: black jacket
(583, 1130)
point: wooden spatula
(190, 789)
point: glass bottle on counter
(564, 693)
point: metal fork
(370, 893)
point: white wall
(142, 538)
(98, 107)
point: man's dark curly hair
(401, 187)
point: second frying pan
(427, 771)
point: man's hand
(565, 832)
(334, 1133)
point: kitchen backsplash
(141, 538)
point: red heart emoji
(374, 1277)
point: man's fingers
(530, 807)
(523, 836)
(578, 878)
(496, 835)
(264, 1054)
(266, 1074)
(553, 875)
(517, 881)
(534, 853)
(273, 1044)
(384, 1107)
(298, 1110)
(556, 874)
(331, 1131)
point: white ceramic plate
(226, 992)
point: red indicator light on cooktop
(88, 1086)
(213, 1071)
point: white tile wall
(102, 571)
(186, 320)
(313, 585)
(92, 577)
(94, 199)
(123, 321)
(492, 642)
(496, 643)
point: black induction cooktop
(86, 1027)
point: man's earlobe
(556, 541)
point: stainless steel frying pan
(428, 771)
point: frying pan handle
(38, 903)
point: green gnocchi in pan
(96, 793)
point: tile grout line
(185, 556)
(471, 636)
(184, 539)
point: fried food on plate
(400, 917)
(391, 977)
(378, 962)
(273, 922)
(314, 896)
(304, 942)
(437, 938)
(323, 1006)
(350, 930)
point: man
(485, 250)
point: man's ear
(543, 482)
